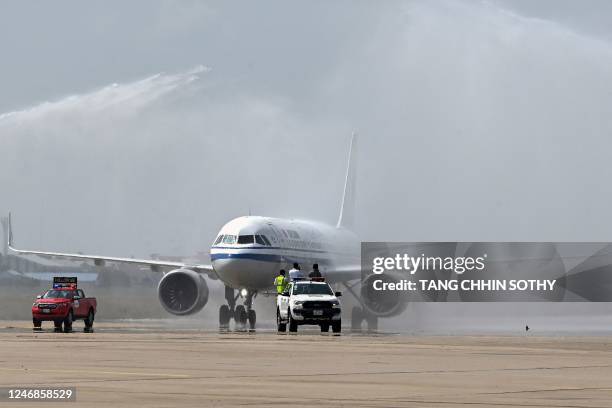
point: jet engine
(383, 303)
(182, 292)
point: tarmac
(139, 364)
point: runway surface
(149, 365)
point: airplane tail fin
(4, 222)
(9, 238)
(346, 218)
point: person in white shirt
(296, 273)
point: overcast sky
(51, 49)
(136, 127)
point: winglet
(347, 209)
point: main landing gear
(359, 315)
(242, 314)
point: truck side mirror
(76, 297)
(39, 297)
(285, 294)
(338, 294)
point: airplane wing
(155, 265)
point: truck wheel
(89, 321)
(337, 326)
(37, 324)
(280, 326)
(68, 322)
(57, 326)
(292, 323)
(324, 327)
(252, 316)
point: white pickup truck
(308, 302)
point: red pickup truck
(64, 304)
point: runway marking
(63, 371)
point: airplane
(246, 256)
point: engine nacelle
(383, 303)
(182, 292)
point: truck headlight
(335, 303)
(298, 303)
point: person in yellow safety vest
(280, 282)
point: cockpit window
(262, 240)
(229, 239)
(219, 239)
(246, 239)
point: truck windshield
(312, 289)
(55, 294)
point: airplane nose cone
(229, 272)
(244, 273)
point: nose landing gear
(225, 314)
(242, 314)
(248, 314)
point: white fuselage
(249, 251)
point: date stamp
(38, 394)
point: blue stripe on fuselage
(265, 258)
(247, 255)
(267, 247)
